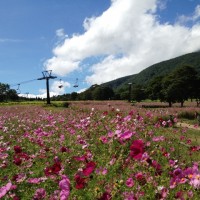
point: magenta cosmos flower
(137, 149)
(129, 182)
(89, 168)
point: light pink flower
(34, 180)
(102, 171)
(5, 189)
(40, 193)
(3, 156)
(164, 123)
(126, 135)
(112, 162)
(104, 139)
(64, 185)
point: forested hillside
(159, 69)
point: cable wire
(24, 82)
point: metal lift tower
(47, 75)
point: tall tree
(154, 88)
(179, 85)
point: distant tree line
(7, 94)
(178, 86)
(95, 92)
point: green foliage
(179, 85)
(97, 92)
(138, 93)
(186, 115)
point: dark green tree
(4, 88)
(102, 93)
(154, 88)
(74, 96)
(179, 86)
(7, 94)
(138, 93)
(12, 95)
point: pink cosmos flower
(127, 118)
(19, 157)
(34, 180)
(193, 175)
(126, 135)
(162, 193)
(112, 162)
(158, 139)
(5, 189)
(129, 182)
(105, 196)
(19, 178)
(104, 139)
(111, 134)
(64, 185)
(195, 181)
(140, 178)
(178, 176)
(54, 169)
(17, 149)
(172, 163)
(80, 181)
(40, 193)
(179, 195)
(102, 171)
(79, 158)
(190, 194)
(175, 120)
(64, 149)
(129, 196)
(3, 156)
(137, 149)
(62, 138)
(157, 167)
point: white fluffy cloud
(128, 37)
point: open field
(98, 150)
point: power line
(24, 82)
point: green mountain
(159, 69)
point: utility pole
(46, 76)
(129, 99)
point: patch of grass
(186, 115)
(194, 136)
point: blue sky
(92, 41)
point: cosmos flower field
(105, 152)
